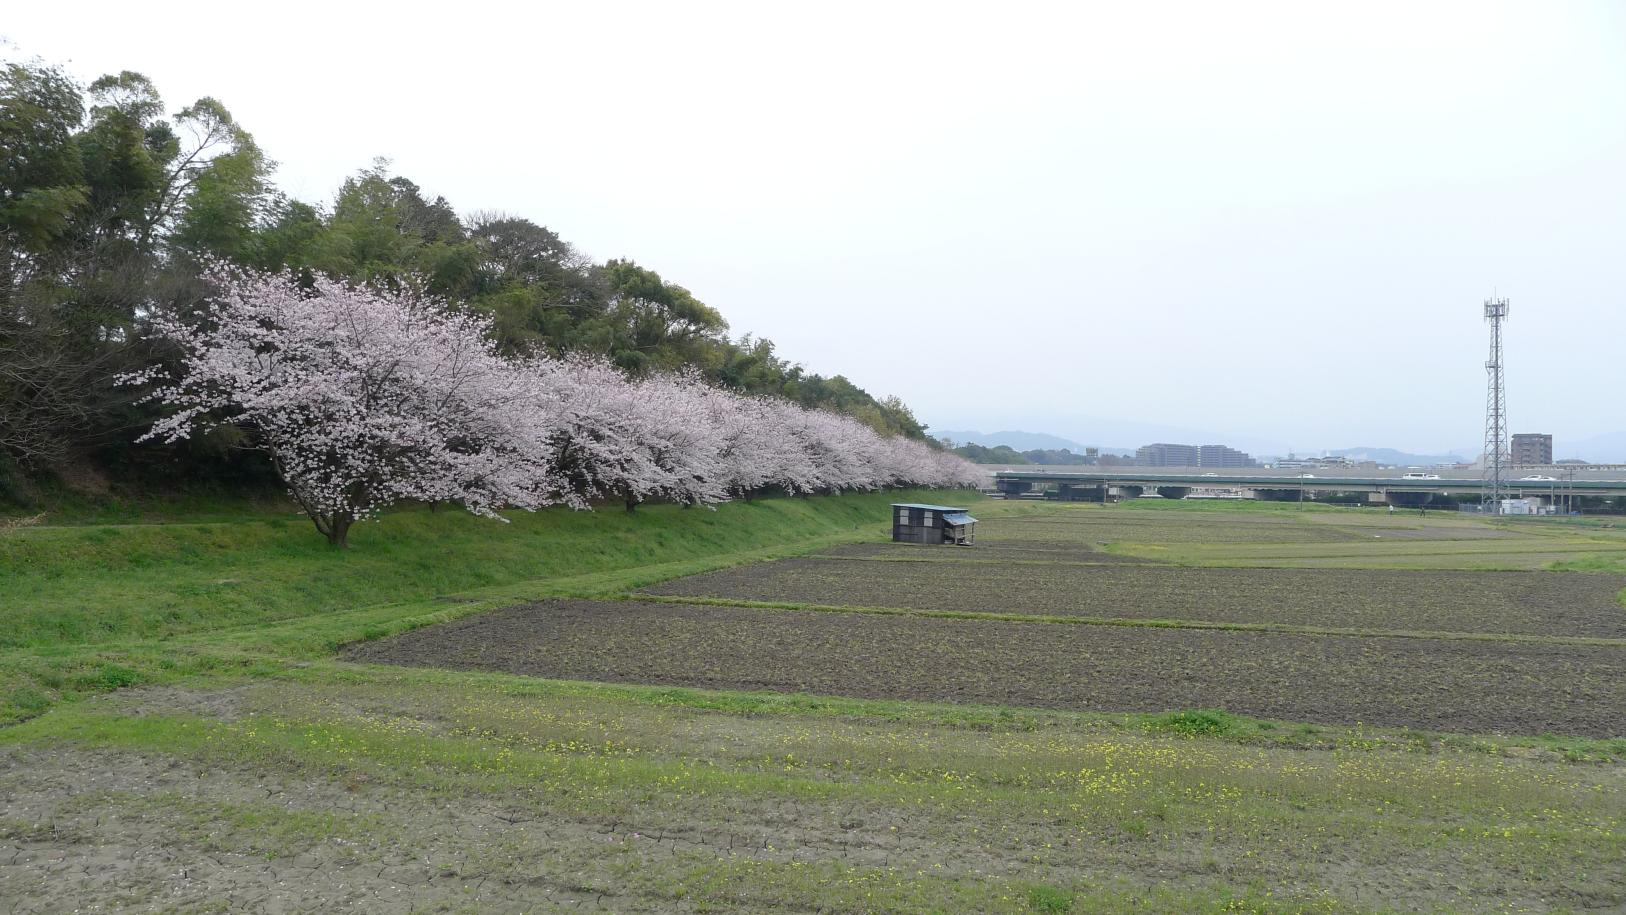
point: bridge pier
(1072, 492)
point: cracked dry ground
(422, 791)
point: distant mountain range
(1398, 458)
(1112, 436)
(1609, 448)
(1020, 441)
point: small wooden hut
(913, 522)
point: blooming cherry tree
(364, 398)
(601, 446)
(682, 437)
(361, 397)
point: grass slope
(75, 584)
(285, 779)
(85, 607)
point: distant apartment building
(1164, 454)
(1532, 448)
(1222, 456)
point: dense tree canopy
(109, 204)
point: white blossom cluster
(364, 398)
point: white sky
(1272, 222)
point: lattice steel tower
(1498, 457)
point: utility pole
(1497, 455)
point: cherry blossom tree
(366, 397)
(361, 397)
(674, 438)
(681, 436)
(750, 455)
(600, 447)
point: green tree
(94, 207)
(658, 324)
(108, 207)
(42, 178)
(217, 189)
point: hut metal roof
(935, 508)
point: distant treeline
(109, 205)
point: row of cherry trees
(365, 397)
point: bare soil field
(1524, 603)
(1025, 551)
(1445, 685)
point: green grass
(86, 608)
(1090, 811)
(1604, 562)
(76, 584)
(1204, 506)
(263, 747)
(1277, 535)
(56, 503)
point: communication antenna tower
(1498, 457)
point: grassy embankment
(88, 606)
(470, 791)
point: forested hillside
(111, 204)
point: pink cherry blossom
(364, 398)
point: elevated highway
(1395, 486)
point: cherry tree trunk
(336, 528)
(338, 534)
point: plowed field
(1040, 613)
(1465, 686)
(1024, 551)
(1524, 603)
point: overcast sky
(1271, 223)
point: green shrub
(1043, 898)
(115, 676)
(1194, 723)
(27, 702)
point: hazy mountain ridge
(1608, 448)
(1021, 441)
(1395, 456)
